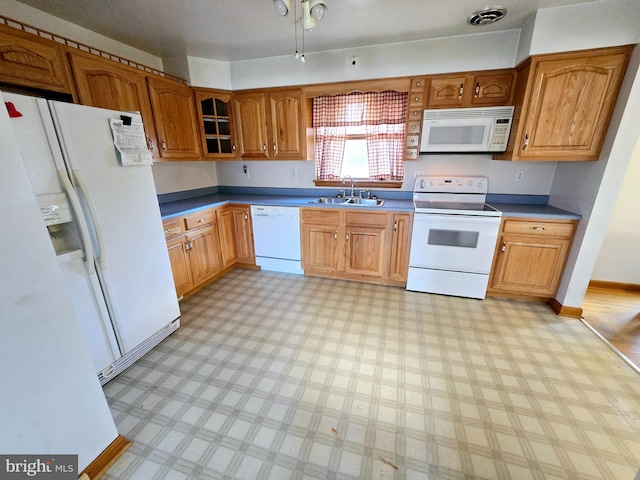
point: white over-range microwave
(466, 130)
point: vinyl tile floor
(281, 376)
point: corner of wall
(526, 37)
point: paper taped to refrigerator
(131, 143)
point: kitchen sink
(374, 202)
(338, 200)
(369, 202)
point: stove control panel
(431, 184)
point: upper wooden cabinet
(473, 89)
(31, 61)
(564, 104)
(413, 129)
(104, 84)
(270, 124)
(174, 113)
(215, 123)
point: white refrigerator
(104, 223)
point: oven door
(458, 243)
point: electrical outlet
(519, 175)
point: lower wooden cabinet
(401, 227)
(530, 256)
(243, 234)
(358, 245)
(204, 244)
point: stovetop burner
(453, 196)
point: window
(360, 134)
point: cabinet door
(287, 125)
(570, 105)
(529, 265)
(31, 61)
(103, 84)
(365, 249)
(243, 234)
(491, 90)
(446, 92)
(365, 243)
(400, 244)
(175, 118)
(204, 253)
(216, 125)
(224, 216)
(319, 248)
(179, 259)
(250, 116)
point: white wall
(592, 188)
(178, 176)
(588, 25)
(619, 257)
(441, 55)
(300, 174)
(40, 19)
(51, 400)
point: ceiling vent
(486, 16)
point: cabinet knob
(167, 230)
(200, 220)
(418, 84)
(335, 235)
(537, 228)
(149, 144)
(163, 145)
(477, 92)
(246, 216)
(526, 141)
(264, 147)
(233, 147)
(461, 90)
(395, 225)
(347, 236)
(274, 147)
(504, 247)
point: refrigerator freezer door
(132, 258)
(91, 311)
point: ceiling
(232, 30)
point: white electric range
(454, 236)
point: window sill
(360, 183)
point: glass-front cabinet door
(216, 128)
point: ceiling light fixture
(486, 16)
(312, 11)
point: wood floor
(616, 316)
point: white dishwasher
(276, 237)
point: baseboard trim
(108, 457)
(560, 309)
(618, 286)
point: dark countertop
(534, 211)
(189, 205)
(181, 207)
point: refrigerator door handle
(99, 252)
(83, 228)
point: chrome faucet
(344, 182)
